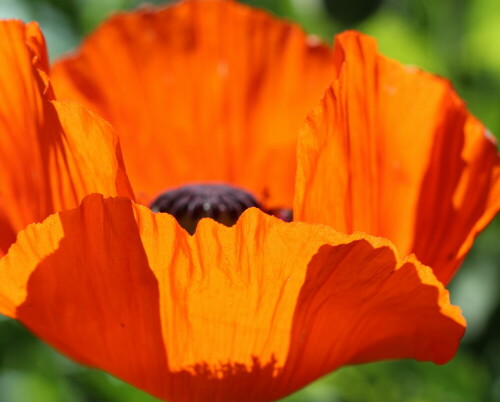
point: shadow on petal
(106, 315)
(456, 203)
(7, 233)
(358, 304)
(231, 382)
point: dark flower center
(223, 203)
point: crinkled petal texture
(202, 91)
(52, 153)
(246, 313)
(392, 151)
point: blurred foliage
(454, 38)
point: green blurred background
(458, 39)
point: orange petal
(360, 303)
(228, 314)
(392, 151)
(202, 91)
(51, 154)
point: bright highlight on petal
(251, 312)
(204, 91)
(52, 154)
(392, 151)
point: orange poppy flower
(212, 91)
